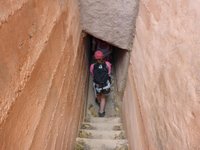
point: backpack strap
(100, 73)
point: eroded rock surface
(41, 61)
(110, 20)
(161, 102)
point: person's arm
(91, 69)
(109, 67)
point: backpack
(100, 73)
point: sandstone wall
(110, 20)
(162, 96)
(121, 63)
(41, 62)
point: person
(101, 71)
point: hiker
(104, 47)
(101, 71)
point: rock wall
(162, 96)
(41, 61)
(110, 20)
(121, 62)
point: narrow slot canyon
(107, 132)
(119, 60)
(46, 96)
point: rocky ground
(102, 133)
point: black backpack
(100, 73)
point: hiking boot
(102, 114)
(97, 102)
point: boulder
(110, 20)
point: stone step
(101, 126)
(103, 120)
(99, 134)
(100, 144)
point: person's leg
(98, 99)
(97, 95)
(102, 103)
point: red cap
(98, 55)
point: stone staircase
(101, 134)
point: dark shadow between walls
(120, 63)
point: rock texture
(101, 133)
(41, 61)
(110, 20)
(121, 62)
(161, 103)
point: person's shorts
(105, 89)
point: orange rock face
(41, 61)
(161, 100)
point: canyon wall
(121, 62)
(161, 102)
(41, 61)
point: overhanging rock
(110, 20)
